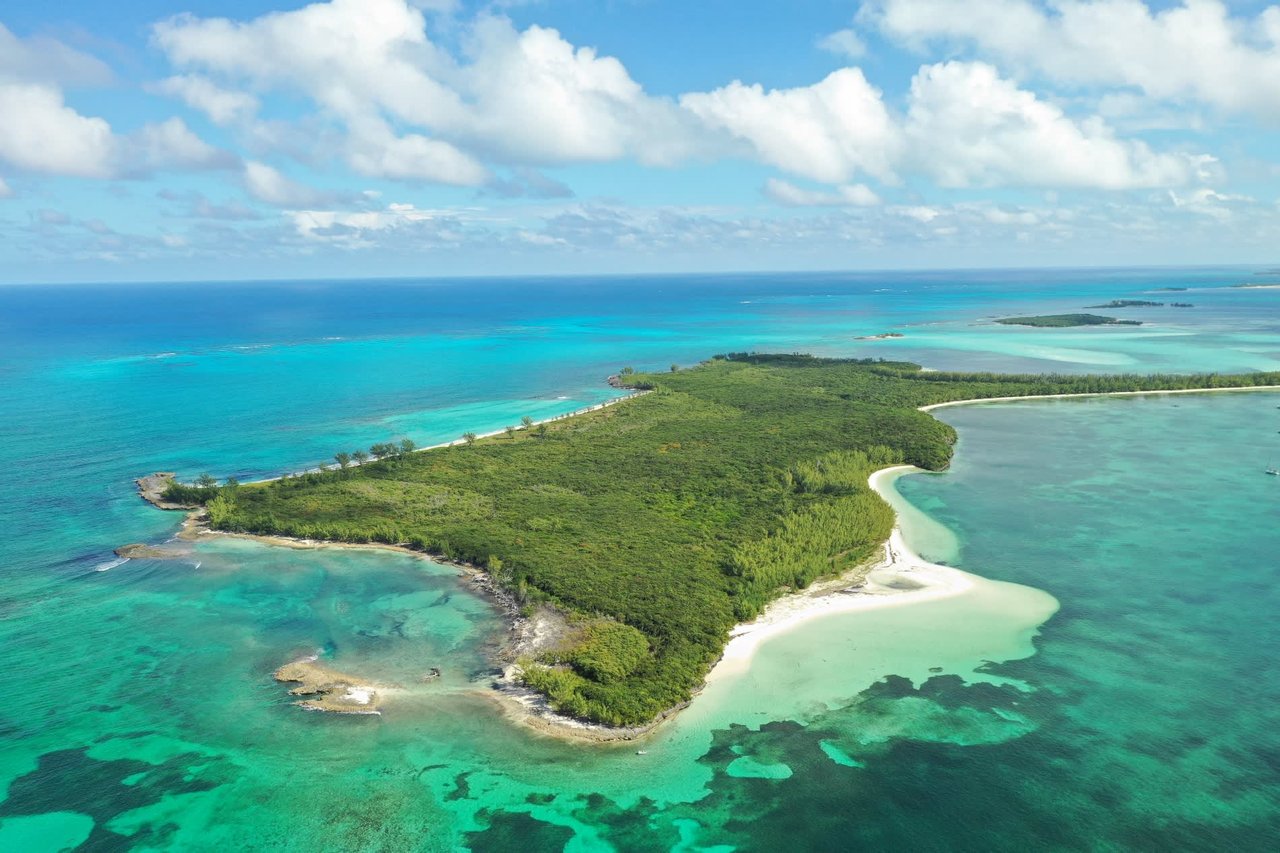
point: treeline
(661, 521)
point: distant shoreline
(932, 406)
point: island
(1063, 321)
(640, 534)
(884, 336)
(1129, 303)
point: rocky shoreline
(152, 488)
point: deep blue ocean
(140, 712)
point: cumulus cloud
(847, 195)
(970, 127)
(844, 43)
(1208, 202)
(40, 133)
(526, 97)
(222, 106)
(829, 132)
(171, 145)
(404, 107)
(1197, 50)
(267, 184)
(534, 98)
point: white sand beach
(901, 577)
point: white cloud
(374, 150)
(847, 195)
(267, 184)
(170, 145)
(403, 107)
(1211, 203)
(222, 106)
(46, 60)
(523, 97)
(970, 127)
(40, 133)
(5, 191)
(1194, 51)
(829, 132)
(845, 43)
(533, 97)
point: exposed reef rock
(152, 488)
(140, 551)
(327, 690)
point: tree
(344, 459)
(526, 422)
(360, 456)
(407, 446)
(675, 368)
(627, 371)
(469, 438)
(542, 430)
(206, 481)
(232, 483)
(511, 432)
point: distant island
(1062, 321)
(1140, 303)
(881, 337)
(1257, 286)
(1169, 289)
(644, 531)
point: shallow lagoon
(147, 717)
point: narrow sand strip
(901, 577)
(933, 406)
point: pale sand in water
(901, 577)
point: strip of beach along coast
(652, 527)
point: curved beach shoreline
(899, 577)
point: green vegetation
(1129, 303)
(658, 523)
(1061, 321)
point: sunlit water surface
(140, 712)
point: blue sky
(154, 139)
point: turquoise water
(141, 713)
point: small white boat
(642, 752)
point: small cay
(326, 690)
(152, 488)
